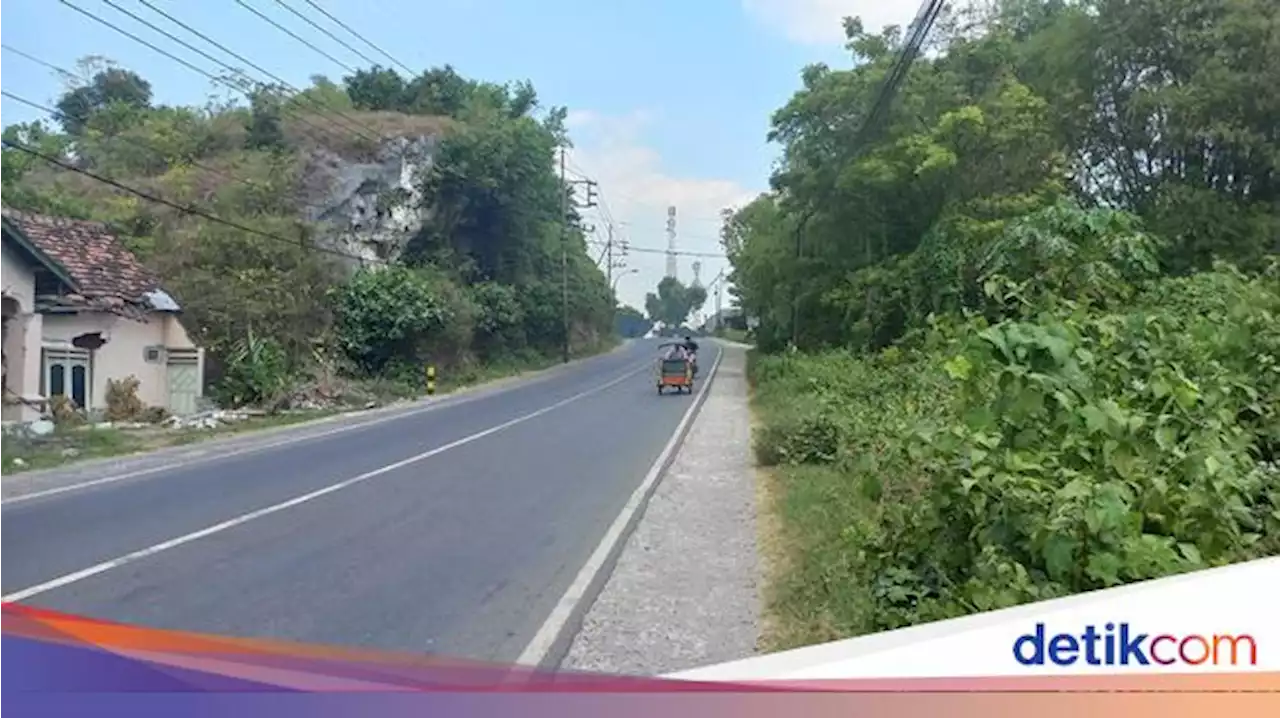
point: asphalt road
(453, 530)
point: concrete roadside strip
(48, 482)
(674, 584)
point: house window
(67, 373)
(47, 285)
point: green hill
(370, 227)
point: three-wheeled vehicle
(675, 368)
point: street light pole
(614, 285)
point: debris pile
(211, 419)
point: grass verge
(71, 445)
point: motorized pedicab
(675, 368)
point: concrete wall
(124, 353)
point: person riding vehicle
(691, 351)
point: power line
(346, 27)
(656, 250)
(330, 35)
(173, 57)
(925, 17)
(185, 209)
(155, 150)
(578, 171)
(38, 61)
(294, 35)
(315, 103)
(348, 124)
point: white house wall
(123, 355)
(24, 349)
(175, 335)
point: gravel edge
(685, 591)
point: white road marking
(554, 635)
(207, 455)
(296, 501)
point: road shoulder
(685, 590)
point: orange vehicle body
(677, 373)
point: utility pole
(565, 188)
(564, 255)
(608, 253)
(719, 282)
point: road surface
(454, 530)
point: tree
(265, 131)
(1018, 365)
(439, 91)
(377, 88)
(1129, 104)
(673, 302)
(108, 87)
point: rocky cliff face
(370, 209)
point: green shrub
(1075, 448)
(807, 438)
(256, 371)
(387, 318)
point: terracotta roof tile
(95, 258)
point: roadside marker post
(431, 380)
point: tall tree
(108, 87)
(673, 302)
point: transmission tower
(671, 242)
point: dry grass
(774, 558)
(339, 134)
(799, 511)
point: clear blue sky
(707, 74)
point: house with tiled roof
(79, 310)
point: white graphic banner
(1218, 620)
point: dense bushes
(1033, 376)
(997, 463)
(390, 316)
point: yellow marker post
(431, 379)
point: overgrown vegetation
(478, 285)
(1038, 319)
